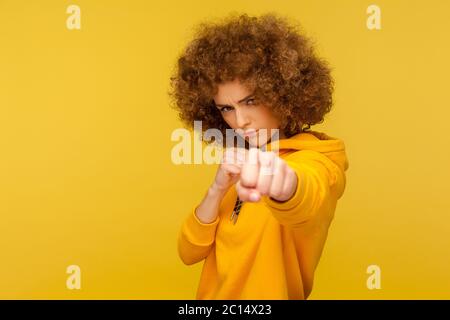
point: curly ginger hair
(268, 55)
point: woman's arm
(198, 231)
(321, 182)
(208, 210)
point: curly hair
(268, 55)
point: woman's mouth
(250, 133)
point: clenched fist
(256, 173)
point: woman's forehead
(231, 91)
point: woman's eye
(225, 109)
(251, 101)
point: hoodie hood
(333, 148)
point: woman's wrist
(208, 209)
(216, 191)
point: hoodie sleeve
(196, 239)
(321, 183)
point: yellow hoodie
(273, 249)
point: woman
(254, 74)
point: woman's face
(244, 114)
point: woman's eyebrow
(242, 100)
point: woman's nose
(242, 119)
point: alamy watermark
(73, 281)
(190, 149)
(374, 279)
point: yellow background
(85, 170)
